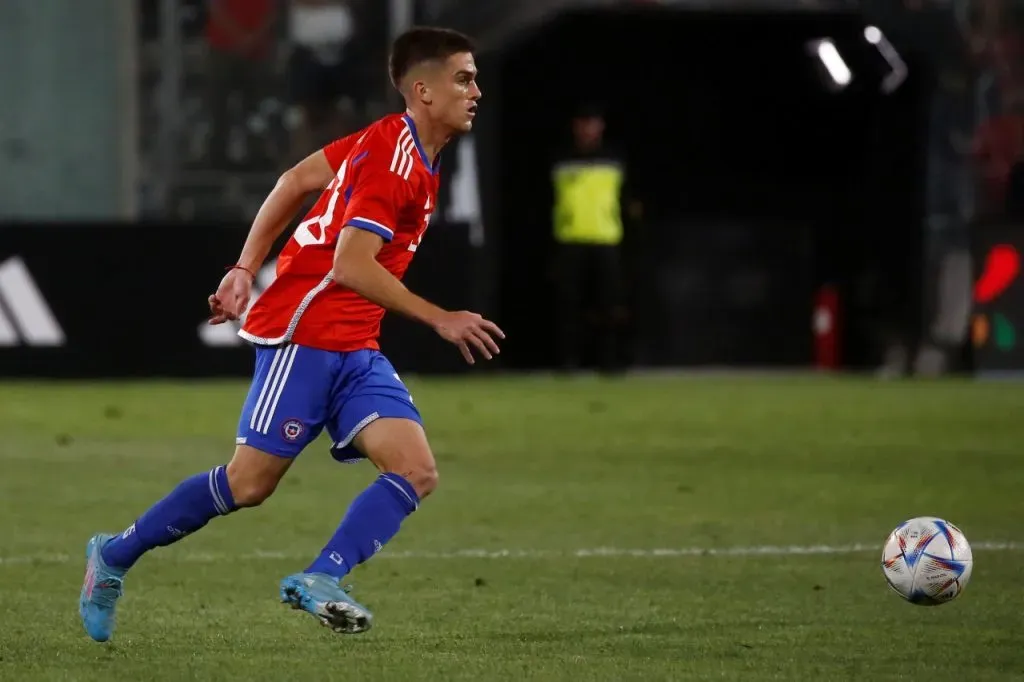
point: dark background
(759, 184)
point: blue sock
(372, 520)
(185, 510)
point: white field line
(596, 552)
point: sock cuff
(402, 490)
(220, 491)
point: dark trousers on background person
(589, 295)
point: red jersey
(385, 184)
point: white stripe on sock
(402, 490)
(218, 499)
(213, 492)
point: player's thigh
(289, 400)
(374, 417)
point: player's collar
(419, 146)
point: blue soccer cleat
(100, 591)
(322, 596)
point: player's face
(456, 93)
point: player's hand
(232, 297)
(468, 330)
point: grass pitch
(567, 541)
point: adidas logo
(226, 335)
(25, 316)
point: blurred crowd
(994, 33)
(234, 91)
(976, 131)
(243, 88)
(975, 157)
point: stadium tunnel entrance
(760, 181)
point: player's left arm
(371, 218)
(356, 267)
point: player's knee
(422, 478)
(250, 490)
(419, 470)
(253, 476)
(399, 446)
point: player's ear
(422, 91)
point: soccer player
(315, 335)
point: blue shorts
(297, 390)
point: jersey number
(305, 234)
(426, 223)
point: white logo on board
(25, 316)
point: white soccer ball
(927, 561)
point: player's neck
(433, 137)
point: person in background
(321, 75)
(240, 39)
(588, 182)
(998, 145)
(999, 139)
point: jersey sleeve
(378, 196)
(337, 150)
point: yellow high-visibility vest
(587, 208)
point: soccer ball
(927, 561)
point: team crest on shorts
(292, 429)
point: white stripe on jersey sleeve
(402, 161)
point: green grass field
(536, 559)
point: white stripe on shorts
(276, 389)
(263, 391)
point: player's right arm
(311, 174)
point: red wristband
(236, 266)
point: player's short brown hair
(424, 44)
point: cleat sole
(341, 617)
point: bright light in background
(833, 62)
(898, 67)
